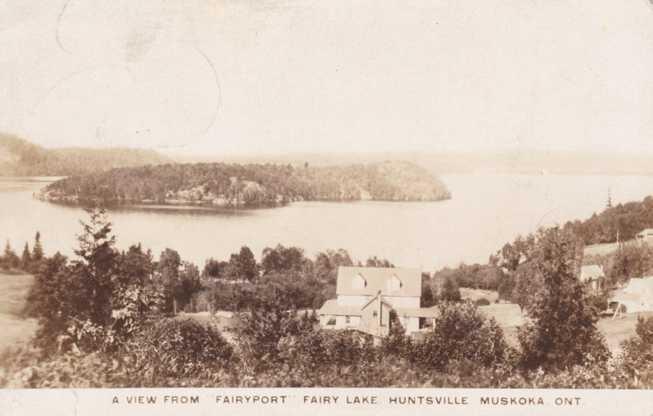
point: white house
(366, 295)
(637, 296)
(593, 276)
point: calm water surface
(486, 211)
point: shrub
(637, 355)
(263, 327)
(179, 348)
(323, 358)
(28, 368)
(644, 330)
(461, 333)
(482, 302)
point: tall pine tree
(37, 250)
(97, 263)
(26, 259)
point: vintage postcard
(326, 207)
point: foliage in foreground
(103, 324)
(310, 359)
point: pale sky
(272, 76)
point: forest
(248, 186)
(619, 222)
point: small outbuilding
(593, 276)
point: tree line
(619, 222)
(28, 261)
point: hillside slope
(18, 157)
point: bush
(313, 356)
(482, 302)
(461, 333)
(263, 327)
(28, 368)
(180, 348)
(637, 355)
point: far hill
(616, 223)
(525, 161)
(249, 186)
(18, 157)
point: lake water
(485, 212)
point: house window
(331, 321)
(347, 319)
(375, 314)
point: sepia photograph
(300, 194)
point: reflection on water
(179, 210)
(486, 211)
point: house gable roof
(376, 279)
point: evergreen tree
(37, 250)
(52, 300)
(97, 263)
(563, 331)
(11, 260)
(26, 258)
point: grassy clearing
(619, 329)
(13, 291)
(509, 317)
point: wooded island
(223, 185)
